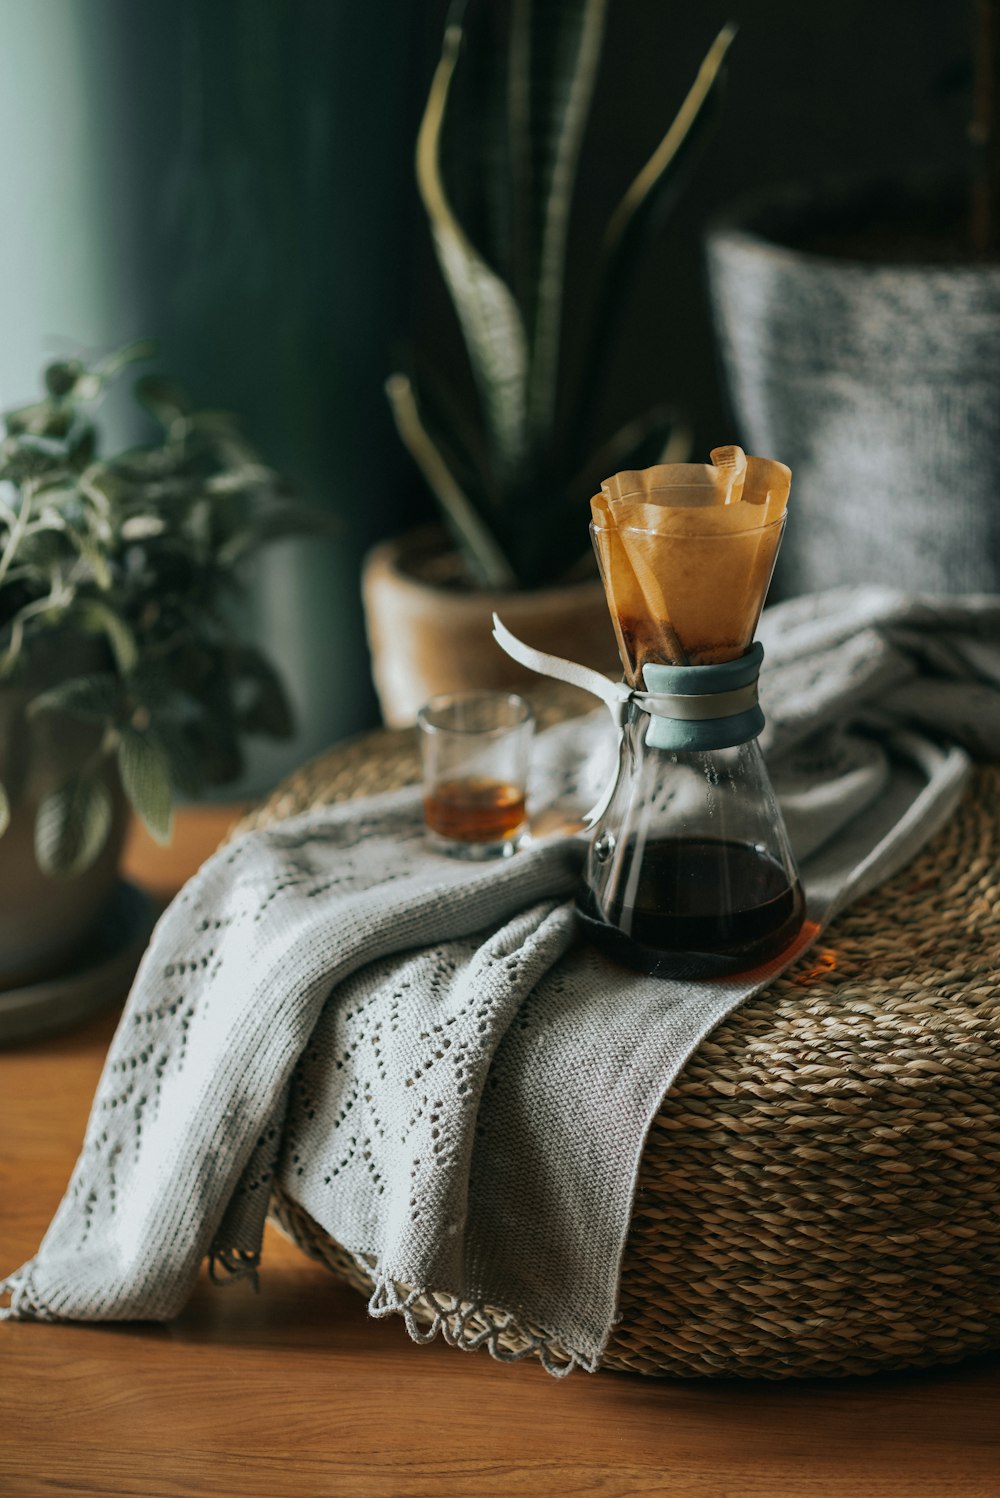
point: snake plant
(503, 128)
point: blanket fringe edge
(469, 1325)
(24, 1306)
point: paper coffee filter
(767, 483)
(635, 603)
(686, 552)
(693, 485)
(731, 461)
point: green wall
(232, 177)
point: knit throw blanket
(426, 1054)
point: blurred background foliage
(235, 178)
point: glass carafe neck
(694, 708)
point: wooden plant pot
(427, 634)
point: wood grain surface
(295, 1391)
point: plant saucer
(101, 975)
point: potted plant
(859, 327)
(122, 677)
(512, 461)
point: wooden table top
(295, 1391)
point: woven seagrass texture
(820, 1190)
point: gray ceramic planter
(46, 922)
(880, 386)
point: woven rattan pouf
(820, 1191)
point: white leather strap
(614, 694)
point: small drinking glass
(475, 748)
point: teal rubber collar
(695, 708)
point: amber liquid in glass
(702, 907)
(475, 809)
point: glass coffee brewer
(689, 872)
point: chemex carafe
(689, 871)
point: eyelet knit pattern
(424, 1054)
